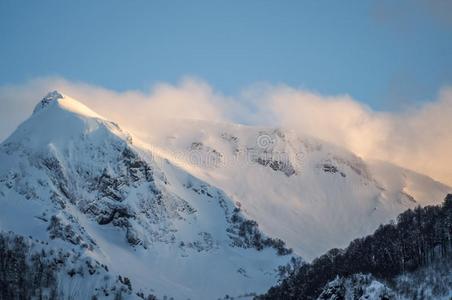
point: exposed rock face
(48, 99)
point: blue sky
(384, 54)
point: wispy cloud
(405, 14)
(419, 138)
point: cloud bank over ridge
(418, 138)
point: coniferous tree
(419, 237)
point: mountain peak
(54, 95)
(65, 103)
(47, 100)
(59, 120)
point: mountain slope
(313, 195)
(199, 211)
(410, 259)
(73, 181)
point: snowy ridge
(55, 98)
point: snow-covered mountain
(199, 211)
(312, 194)
(73, 181)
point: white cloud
(140, 112)
(419, 138)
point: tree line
(419, 237)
